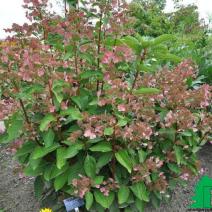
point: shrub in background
(94, 122)
(193, 35)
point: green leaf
(88, 57)
(133, 43)
(89, 74)
(196, 149)
(75, 170)
(48, 137)
(90, 166)
(122, 122)
(187, 133)
(158, 194)
(38, 186)
(61, 160)
(104, 159)
(46, 121)
(74, 113)
(95, 140)
(179, 154)
(103, 146)
(142, 155)
(123, 194)
(71, 129)
(73, 150)
(139, 205)
(108, 131)
(60, 181)
(140, 191)
(3, 138)
(147, 91)
(168, 133)
(47, 172)
(39, 151)
(173, 167)
(163, 38)
(58, 89)
(155, 201)
(124, 159)
(94, 102)
(104, 201)
(68, 55)
(110, 41)
(26, 148)
(54, 171)
(14, 127)
(59, 95)
(98, 180)
(142, 40)
(35, 163)
(1, 93)
(80, 101)
(168, 57)
(88, 200)
(26, 92)
(29, 171)
(145, 67)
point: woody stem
(99, 47)
(143, 57)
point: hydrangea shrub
(91, 118)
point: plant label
(73, 203)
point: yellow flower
(46, 210)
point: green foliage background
(193, 36)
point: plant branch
(45, 33)
(143, 57)
(24, 111)
(22, 104)
(114, 150)
(204, 136)
(75, 60)
(99, 47)
(58, 123)
(65, 8)
(99, 40)
(50, 91)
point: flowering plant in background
(95, 122)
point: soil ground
(16, 192)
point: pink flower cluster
(82, 185)
(143, 171)
(119, 54)
(106, 186)
(137, 131)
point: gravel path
(16, 193)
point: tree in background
(186, 20)
(151, 20)
(68, 4)
(192, 33)
(194, 37)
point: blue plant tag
(72, 203)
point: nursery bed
(16, 192)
